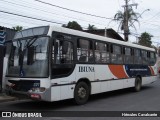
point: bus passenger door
(62, 65)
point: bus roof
(97, 37)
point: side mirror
(65, 45)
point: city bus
(51, 63)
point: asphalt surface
(148, 99)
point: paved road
(148, 99)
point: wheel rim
(82, 92)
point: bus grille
(24, 85)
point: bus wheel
(138, 84)
(81, 93)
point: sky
(148, 22)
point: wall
(6, 34)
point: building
(109, 33)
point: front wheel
(81, 93)
(138, 84)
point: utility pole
(126, 18)
(126, 29)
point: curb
(5, 98)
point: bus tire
(81, 93)
(138, 84)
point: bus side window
(137, 56)
(64, 54)
(144, 57)
(101, 52)
(128, 58)
(116, 54)
(152, 59)
(148, 57)
(84, 51)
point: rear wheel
(81, 93)
(138, 84)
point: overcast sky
(105, 8)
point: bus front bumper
(26, 95)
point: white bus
(55, 63)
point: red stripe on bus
(152, 71)
(118, 71)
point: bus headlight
(40, 89)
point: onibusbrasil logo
(20, 114)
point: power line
(151, 24)
(45, 11)
(52, 12)
(15, 19)
(154, 16)
(11, 24)
(49, 12)
(30, 17)
(73, 10)
(33, 18)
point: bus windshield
(29, 58)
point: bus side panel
(66, 88)
(129, 82)
(55, 93)
(117, 84)
(153, 77)
(102, 73)
(105, 86)
(147, 80)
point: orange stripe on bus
(118, 71)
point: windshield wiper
(22, 52)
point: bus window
(116, 54)
(152, 59)
(128, 58)
(62, 56)
(137, 56)
(101, 53)
(84, 51)
(148, 57)
(144, 57)
(64, 53)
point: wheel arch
(87, 81)
(139, 76)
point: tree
(145, 39)
(156, 49)
(91, 27)
(18, 28)
(121, 18)
(73, 25)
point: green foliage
(156, 49)
(91, 27)
(73, 25)
(18, 28)
(145, 39)
(132, 17)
